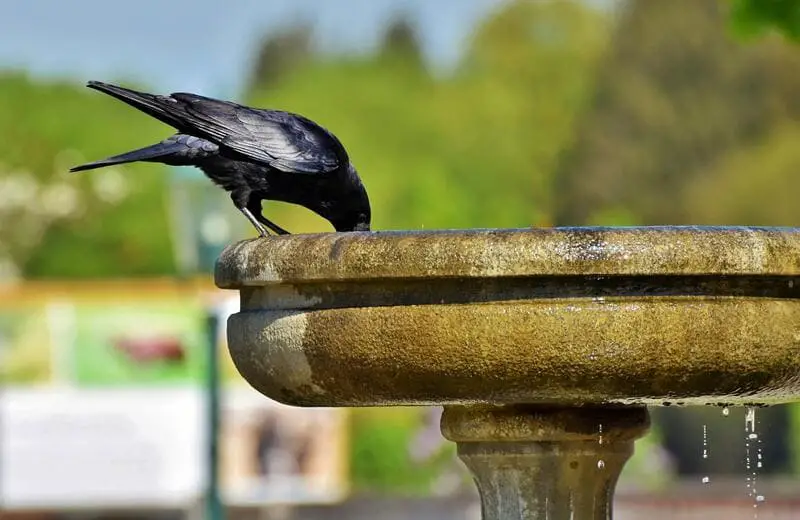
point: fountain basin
(566, 316)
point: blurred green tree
(674, 95)
(754, 185)
(755, 17)
(527, 75)
(401, 42)
(279, 54)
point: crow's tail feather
(166, 152)
(165, 109)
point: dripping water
(706, 478)
(759, 465)
(751, 438)
(600, 463)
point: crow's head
(352, 211)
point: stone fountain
(545, 346)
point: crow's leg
(254, 205)
(240, 199)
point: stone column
(537, 463)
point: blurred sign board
(144, 448)
(115, 334)
(71, 448)
(138, 342)
(104, 406)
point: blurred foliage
(675, 94)
(755, 17)
(731, 192)
(90, 225)
(380, 457)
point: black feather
(178, 150)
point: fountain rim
(511, 252)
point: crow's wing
(287, 142)
(176, 150)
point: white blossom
(60, 200)
(110, 186)
(17, 190)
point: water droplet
(750, 419)
(705, 441)
(601, 464)
(726, 411)
(752, 436)
(706, 480)
(791, 284)
(600, 434)
(760, 498)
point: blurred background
(457, 113)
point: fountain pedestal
(544, 345)
(545, 463)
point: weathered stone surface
(532, 463)
(402, 255)
(566, 316)
(535, 423)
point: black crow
(252, 153)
